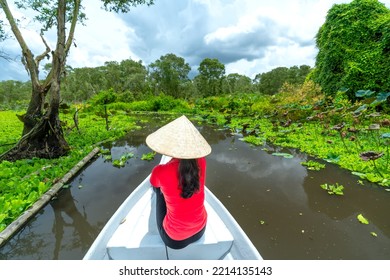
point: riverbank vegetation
(24, 181)
(342, 119)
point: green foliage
(255, 140)
(236, 83)
(24, 181)
(166, 103)
(305, 120)
(362, 219)
(2, 32)
(46, 12)
(271, 82)
(148, 156)
(121, 162)
(124, 6)
(128, 79)
(285, 155)
(14, 94)
(104, 97)
(353, 48)
(153, 104)
(10, 129)
(210, 78)
(333, 189)
(313, 165)
(169, 74)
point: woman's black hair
(188, 177)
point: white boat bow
(132, 233)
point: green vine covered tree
(354, 48)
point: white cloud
(248, 36)
(105, 37)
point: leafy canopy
(354, 48)
(169, 73)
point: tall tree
(169, 74)
(354, 48)
(236, 83)
(271, 82)
(210, 78)
(42, 134)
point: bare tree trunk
(35, 109)
(42, 134)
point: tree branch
(44, 54)
(29, 57)
(75, 17)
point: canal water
(278, 202)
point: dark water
(277, 201)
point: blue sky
(248, 36)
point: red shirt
(184, 217)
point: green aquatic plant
(362, 219)
(255, 140)
(313, 165)
(285, 155)
(148, 156)
(333, 189)
(122, 160)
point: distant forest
(168, 75)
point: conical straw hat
(179, 139)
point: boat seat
(137, 237)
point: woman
(179, 184)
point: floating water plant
(255, 140)
(122, 160)
(362, 219)
(148, 156)
(118, 163)
(333, 189)
(107, 157)
(285, 155)
(313, 165)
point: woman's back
(185, 216)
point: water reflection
(66, 215)
(277, 201)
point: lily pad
(361, 175)
(332, 158)
(285, 155)
(364, 93)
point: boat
(131, 233)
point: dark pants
(161, 210)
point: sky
(248, 36)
